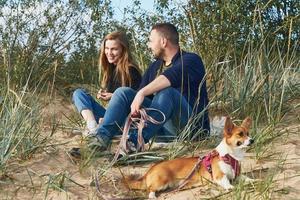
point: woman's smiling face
(113, 51)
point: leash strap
(138, 122)
(208, 158)
(186, 180)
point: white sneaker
(87, 132)
(76, 131)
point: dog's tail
(135, 183)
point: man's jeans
(169, 101)
(84, 101)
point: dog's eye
(241, 134)
(239, 143)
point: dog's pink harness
(206, 160)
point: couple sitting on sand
(173, 87)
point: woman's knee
(78, 93)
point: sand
(38, 177)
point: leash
(138, 121)
(186, 180)
(196, 167)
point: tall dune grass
(20, 127)
(262, 86)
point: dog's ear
(228, 127)
(247, 123)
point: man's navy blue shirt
(187, 75)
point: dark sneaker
(97, 142)
(130, 148)
(132, 142)
(75, 152)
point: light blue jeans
(169, 101)
(84, 101)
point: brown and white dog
(220, 166)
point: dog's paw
(228, 187)
(246, 179)
(225, 183)
(249, 180)
(152, 195)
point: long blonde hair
(122, 68)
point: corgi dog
(220, 166)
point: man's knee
(167, 93)
(125, 94)
(124, 91)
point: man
(173, 84)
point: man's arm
(156, 85)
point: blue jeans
(169, 101)
(84, 101)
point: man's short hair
(168, 31)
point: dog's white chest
(227, 170)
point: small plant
(59, 181)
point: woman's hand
(102, 94)
(99, 93)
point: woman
(117, 69)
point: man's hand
(137, 102)
(156, 85)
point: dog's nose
(251, 141)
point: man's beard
(160, 54)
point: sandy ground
(51, 174)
